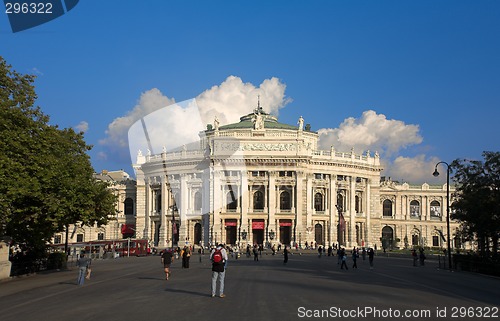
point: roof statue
(301, 123)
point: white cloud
(415, 170)
(233, 98)
(83, 126)
(116, 134)
(228, 101)
(370, 132)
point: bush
(56, 261)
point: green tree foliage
(45, 172)
(477, 204)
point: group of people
(342, 257)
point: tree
(478, 199)
(46, 174)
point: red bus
(108, 248)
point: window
(387, 208)
(318, 202)
(340, 202)
(232, 202)
(57, 239)
(79, 237)
(100, 236)
(285, 201)
(435, 209)
(414, 209)
(435, 240)
(197, 201)
(357, 204)
(258, 200)
(129, 206)
(414, 240)
(285, 173)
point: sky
(416, 81)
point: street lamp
(436, 174)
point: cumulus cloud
(116, 134)
(416, 170)
(371, 131)
(83, 126)
(234, 98)
(179, 123)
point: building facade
(259, 181)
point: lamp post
(436, 174)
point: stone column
(5, 264)
(368, 213)
(245, 205)
(272, 202)
(352, 212)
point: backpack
(217, 257)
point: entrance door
(231, 235)
(197, 233)
(285, 235)
(258, 236)
(258, 231)
(318, 234)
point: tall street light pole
(436, 174)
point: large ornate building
(265, 182)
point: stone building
(265, 182)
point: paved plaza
(306, 288)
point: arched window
(340, 202)
(197, 201)
(387, 237)
(387, 208)
(414, 208)
(318, 202)
(100, 236)
(357, 204)
(232, 202)
(258, 200)
(285, 201)
(129, 206)
(318, 234)
(435, 209)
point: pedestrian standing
(355, 256)
(320, 251)
(371, 254)
(414, 257)
(167, 259)
(83, 264)
(285, 255)
(363, 253)
(255, 253)
(218, 256)
(422, 257)
(344, 259)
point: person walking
(371, 254)
(186, 256)
(414, 257)
(344, 260)
(363, 253)
(167, 259)
(422, 257)
(218, 256)
(285, 255)
(255, 253)
(83, 264)
(355, 256)
(320, 251)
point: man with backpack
(218, 256)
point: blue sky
(429, 71)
